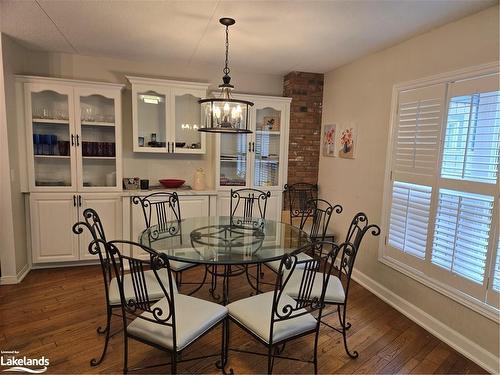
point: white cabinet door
(52, 218)
(186, 119)
(194, 206)
(98, 125)
(50, 137)
(109, 209)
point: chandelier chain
(226, 68)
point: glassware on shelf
(63, 148)
(37, 144)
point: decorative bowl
(170, 183)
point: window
(442, 211)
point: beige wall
(14, 59)
(360, 92)
(154, 166)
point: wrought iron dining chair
(93, 224)
(163, 211)
(247, 209)
(296, 197)
(337, 291)
(318, 213)
(247, 205)
(274, 318)
(173, 323)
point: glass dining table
(227, 246)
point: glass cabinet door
(51, 130)
(97, 141)
(233, 160)
(267, 147)
(187, 122)
(151, 120)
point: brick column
(306, 91)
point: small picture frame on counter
(141, 141)
(131, 183)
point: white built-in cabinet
(73, 160)
(52, 216)
(166, 116)
(258, 160)
(73, 135)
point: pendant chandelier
(225, 114)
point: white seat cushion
(193, 317)
(177, 266)
(154, 289)
(334, 291)
(255, 314)
(275, 265)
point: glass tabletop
(220, 240)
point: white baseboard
(5, 280)
(457, 341)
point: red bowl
(172, 183)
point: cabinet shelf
(99, 157)
(50, 121)
(267, 132)
(52, 156)
(268, 160)
(97, 123)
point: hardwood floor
(55, 313)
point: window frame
(424, 271)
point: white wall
(360, 92)
(154, 166)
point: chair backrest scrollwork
(318, 213)
(296, 197)
(253, 203)
(133, 306)
(92, 222)
(310, 273)
(161, 210)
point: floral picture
(347, 140)
(329, 137)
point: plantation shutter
(496, 272)
(415, 149)
(417, 134)
(409, 218)
(462, 232)
(467, 189)
(472, 141)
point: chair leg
(125, 352)
(222, 363)
(173, 365)
(345, 327)
(257, 278)
(270, 360)
(107, 330)
(315, 354)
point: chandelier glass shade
(225, 114)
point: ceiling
(269, 36)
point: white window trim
(474, 304)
